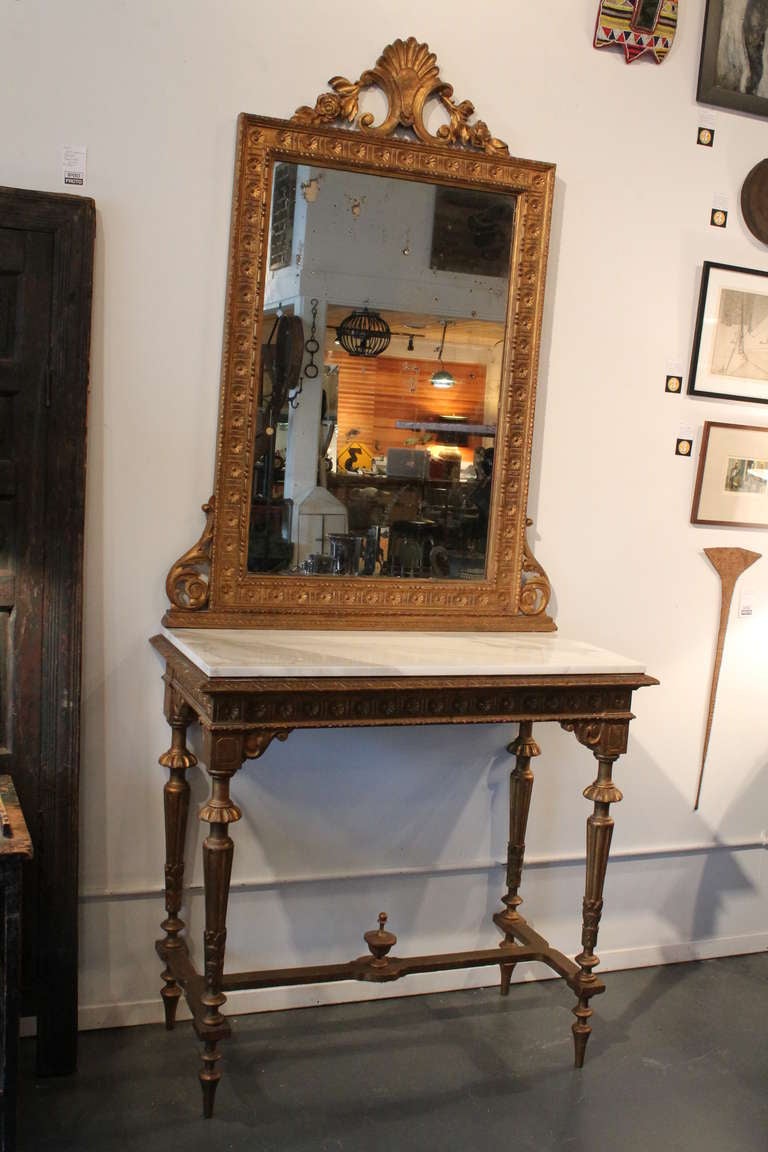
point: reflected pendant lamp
(364, 333)
(441, 378)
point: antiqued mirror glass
(376, 418)
(380, 356)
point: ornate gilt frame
(210, 586)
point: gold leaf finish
(536, 589)
(187, 583)
(408, 75)
(210, 585)
(240, 717)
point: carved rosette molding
(408, 75)
(227, 709)
(362, 703)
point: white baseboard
(91, 1016)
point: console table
(249, 687)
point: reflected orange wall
(374, 393)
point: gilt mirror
(383, 319)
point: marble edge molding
(234, 653)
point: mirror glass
(381, 340)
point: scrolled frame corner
(188, 583)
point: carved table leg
(524, 748)
(225, 757)
(176, 803)
(607, 740)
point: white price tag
(746, 603)
(73, 157)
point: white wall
(359, 259)
(342, 825)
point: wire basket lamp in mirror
(350, 490)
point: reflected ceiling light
(364, 333)
(442, 378)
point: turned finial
(380, 941)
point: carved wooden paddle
(729, 563)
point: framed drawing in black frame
(732, 70)
(730, 344)
(732, 477)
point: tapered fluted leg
(608, 742)
(218, 851)
(209, 1076)
(176, 803)
(524, 748)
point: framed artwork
(733, 72)
(732, 477)
(730, 344)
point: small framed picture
(730, 344)
(732, 70)
(732, 477)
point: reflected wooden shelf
(452, 426)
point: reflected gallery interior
(382, 343)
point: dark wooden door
(46, 259)
(26, 267)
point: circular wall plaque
(754, 201)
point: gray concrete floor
(678, 1061)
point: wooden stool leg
(10, 915)
(218, 851)
(524, 748)
(608, 741)
(176, 804)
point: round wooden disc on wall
(754, 201)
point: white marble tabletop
(252, 652)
